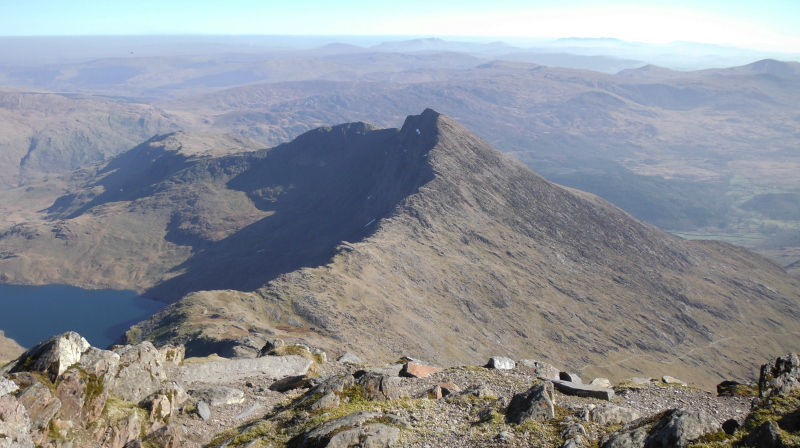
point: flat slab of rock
(583, 390)
(238, 369)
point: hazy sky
(763, 24)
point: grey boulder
(535, 403)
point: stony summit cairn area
(64, 393)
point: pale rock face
(501, 363)
(7, 386)
(613, 415)
(14, 424)
(601, 382)
(52, 357)
(141, 372)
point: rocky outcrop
(780, 376)
(534, 404)
(613, 415)
(15, 426)
(675, 428)
(377, 387)
(141, 371)
(359, 429)
(51, 357)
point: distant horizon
(766, 25)
(516, 41)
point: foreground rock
(675, 429)
(51, 357)
(359, 429)
(534, 404)
(350, 407)
(780, 376)
(15, 426)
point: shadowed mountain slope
(472, 254)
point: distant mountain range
(682, 150)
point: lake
(31, 314)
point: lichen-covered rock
(99, 362)
(218, 395)
(351, 430)
(675, 429)
(376, 387)
(779, 375)
(41, 405)
(141, 372)
(767, 435)
(173, 354)
(613, 415)
(124, 431)
(331, 400)
(51, 357)
(7, 386)
(15, 426)
(165, 437)
(539, 368)
(71, 391)
(535, 403)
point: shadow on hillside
(326, 187)
(127, 177)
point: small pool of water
(31, 314)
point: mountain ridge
(488, 256)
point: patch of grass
(204, 359)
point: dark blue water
(31, 314)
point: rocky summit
(65, 393)
(427, 241)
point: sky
(764, 24)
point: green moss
(94, 386)
(773, 408)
